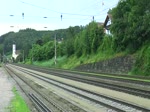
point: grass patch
(47, 63)
(74, 61)
(18, 104)
(50, 63)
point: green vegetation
(130, 24)
(104, 52)
(18, 104)
(84, 43)
(130, 27)
(79, 45)
(24, 39)
(89, 45)
(130, 31)
(142, 65)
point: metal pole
(55, 49)
(23, 56)
(3, 55)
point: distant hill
(24, 39)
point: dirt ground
(6, 93)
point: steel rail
(39, 104)
(98, 75)
(96, 101)
(129, 90)
(51, 101)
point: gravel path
(6, 93)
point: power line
(61, 16)
(64, 13)
(54, 10)
(22, 15)
(38, 6)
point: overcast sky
(38, 14)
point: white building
(14, 53)
(107, 24)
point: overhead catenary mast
(55, 50)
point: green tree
(89, 40)
(35, 52)
(69, 47)
(46, 38)
(98, 34)
(78, 44)
(130, 24)
(48, 50)
(92, 38)
(1, 48)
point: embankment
(117, 65)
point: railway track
(40, 106)
(89, 95)
(124, 78)
(99, 81)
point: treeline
(80, 41)
(24, 39)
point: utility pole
(55, 49)
(3, 55)
(23, 56)
(0, 58)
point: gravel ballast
(6, 93)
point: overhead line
(64, 12)
(55, 10)
(38, 6)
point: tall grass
(47, 63)
(18, 104)
(51, 63)
(142, 65)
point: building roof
(108, 17)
